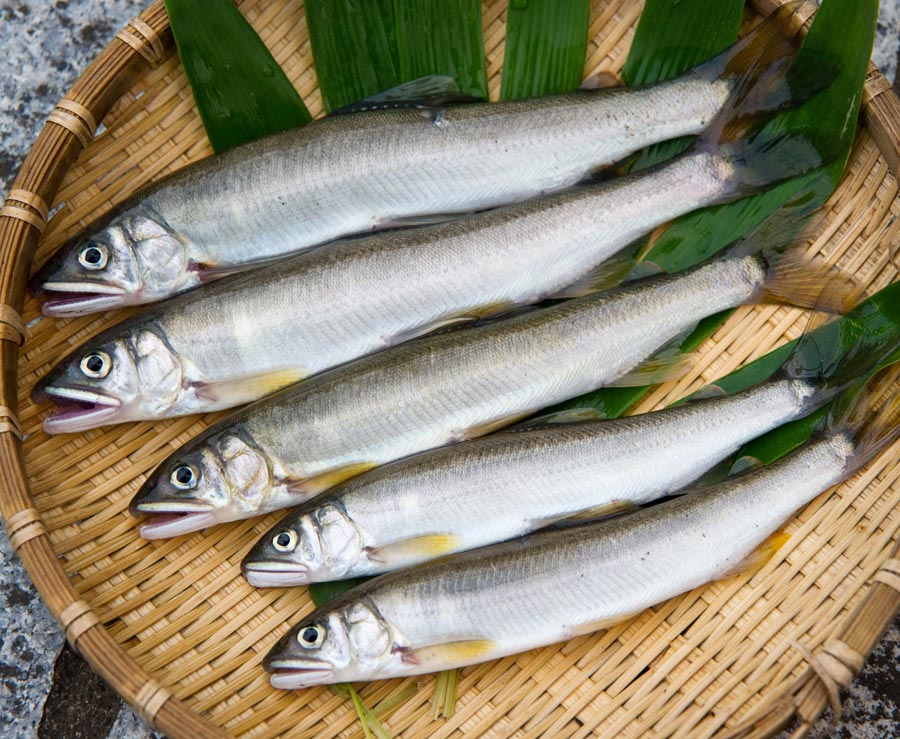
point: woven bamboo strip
(173, 627)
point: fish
(351, 174)
(249, 335)
(512, 483)
(554, 585)
(293, 445)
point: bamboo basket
(175, 629)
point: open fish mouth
(174, 517)
(79, 410)
(68, 299)
(275, 574)
(290, 674)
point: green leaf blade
(546, 42)
(241, 92)
(442, 37)
(354, 45)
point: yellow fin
(452, 654)
(245, 389)
(754, 562)
(427, 546)
(319, 483)
(606, 275)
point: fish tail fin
(869, 416)
(833, 359)
(766, 78)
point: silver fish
(424, 394)
(354, 173)
(506, 485)
(552, 586)
(245, 337)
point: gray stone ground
(45, 45)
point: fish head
(334, 644)
(318, 543)
(135, 258)
(119, 376)
(218, 478)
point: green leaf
(241, 92)
(842, 34)
(322, 592)
(442, 37)
(354, 45)
(545, 47)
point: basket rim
(145, 42)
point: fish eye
(96, 365)
(311, 637)
(285, 541)
(93, 257)
(184, 477)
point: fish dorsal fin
(451, 654)
(668, 364)
(244, 389)
(569, 415)
(406, 551)
(432, 91)
(601, 80)
(757, 559)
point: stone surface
(45, 45)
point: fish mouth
(80, 409)
(170, 518)
(291, 674)
(69, 299)
(264, 574)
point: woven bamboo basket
(175, 629)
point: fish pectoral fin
(247, 388)
(756, 560)
(473, 432)
(316, 484)
(669, 364)
(423, 92)
(428, 546)
(451, 654)
(570, 415)
(609, 274)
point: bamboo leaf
(241, 92)
(442, 37)
(322, 592)
(842, 36)
(546, 43)
(354, 45)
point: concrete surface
(47, 691)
